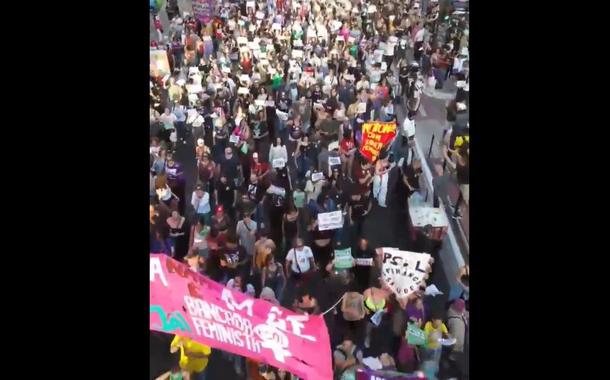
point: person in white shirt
(195, 120)
(299, 260)
(380, 181)
(278, 150)
(201, 204)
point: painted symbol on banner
(172, 322)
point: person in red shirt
(260, 169)
(382, 91)
(347, 150)
(363, 176)
(246, 63)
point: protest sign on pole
(375, 136)
(186, 303)
(330, 220)
(403, 271)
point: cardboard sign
(278, 163)
(330, 220)
(404, 271)
(186, 303)
(375, 136)
(343, 258)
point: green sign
(415, 336)
(343, 258)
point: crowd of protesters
(269, 99)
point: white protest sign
(234, 139)
(272, 189)
(297, 54)
(276, 26)
(278, 163)
(330, 220)
(404, 271)
(242, 41)
(334, 161)
(243, 91)
(364, 262)
(260, 15)
(315, 177)
(422, 216)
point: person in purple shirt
(176, 180)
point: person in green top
(353, 50)
(276, 81)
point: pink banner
(185, 303)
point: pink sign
(185, 303)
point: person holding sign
(435, 329)
(375, 300)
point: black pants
(460, 199)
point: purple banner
(204, 10)
(369, 374)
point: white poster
(278, 163)
(332, 161)
(403, 271)
(315, 177)
(330, 220)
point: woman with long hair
(272, 276)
